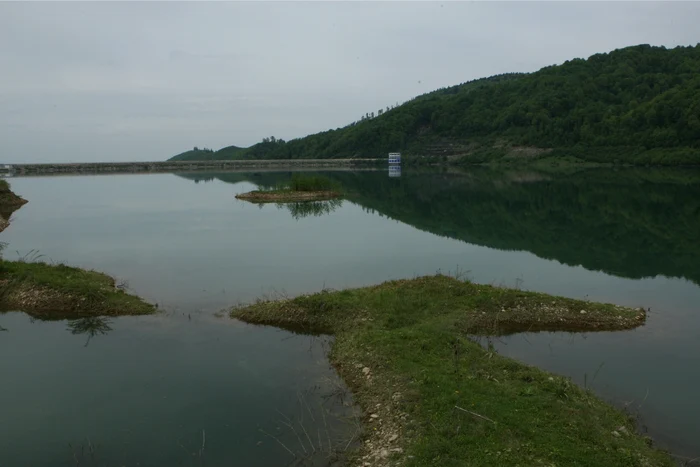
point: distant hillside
(195, 154)
(640, 104)
(229, 152)
(204, 154)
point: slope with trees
(639, 104)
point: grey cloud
(86, 81)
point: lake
(190, 386)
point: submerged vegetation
(636, 105)
(58, 292)
(299, 188)
(434, 396)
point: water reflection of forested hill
(631, 223)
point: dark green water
(144, 391)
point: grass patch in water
(299, 188)
(432, 396)
(300, 182)
(8, 197)
(9, 203)
(59, 292)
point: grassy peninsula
(636, 105)
(300, 188)
(61, 292)
(8, 197)
(9, 203)
(433, 396)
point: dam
(92, 168)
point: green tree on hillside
(631, 104)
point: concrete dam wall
(179, 166)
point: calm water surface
(145, 390)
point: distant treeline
(639, 104)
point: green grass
(301, 188)
(9, 203)
(7, 196)
(304, 183)
(58, 291)
(300, 182)
(406, 350)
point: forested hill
(638, 104)
(205, 154)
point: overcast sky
(144, 81)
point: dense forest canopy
(637, 104)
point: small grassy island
(8, 197)
(49, 291)
(300, 188)
(9, 203)
(432, 395)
